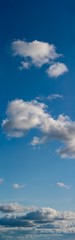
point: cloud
(57, 69)
(39, 221)
(50, 97)
(23, 116)
(54, 96)
(24, 65)
(14, 208)
(69, 150)
(34, 53)
(18, 186)
(11, 207)
(62, 185)
(1, 181)
(37, 141)
(38, 53)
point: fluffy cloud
(57, 69)
(38, 53)
(39, 221)
(14, 208)
(63, 185)
(23, 116)
(18, 186)
(11, 207)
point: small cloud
(50, 97)
(1, 181)
(62, 185)
(37, 141)
(57, 69)
(24, 65)
(18, 186)
(54, 97)
(40, 98)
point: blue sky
(37, 118)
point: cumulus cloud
(63, 185)
(23, 116)
(57, 69)
(36, 52)
(40, 221)
(11, 207)
(18, 186)
(14, 208)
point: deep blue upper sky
(34, 20)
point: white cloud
(11, 207)
(39, 221)
(63, 185)
(37, 141)
(18, 186)
(24, 65)
(1, 181)
(54, 96)
(23, 116)
(36, 52)
(57, 69)
(69, 150)
(14, 208)
(50, 97)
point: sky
(37, 119)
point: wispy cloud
(23, 116)
(18, 186)
(50, 97)
(54, 96)
(63, 185)
(57, 69)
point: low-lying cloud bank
(40, 221)
(22, 116)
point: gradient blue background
(40, 169)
